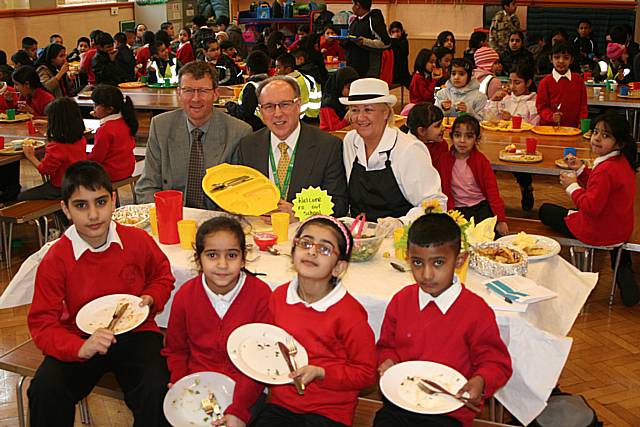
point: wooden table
(612, 100)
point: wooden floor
(604, 364)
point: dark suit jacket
(318, 163)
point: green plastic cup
(11, 114)
(144, 79)
(585, 125)
(167, 82)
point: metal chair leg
(85, 416)
(20, 400)
(39, 227)
(615, 274)
(133, 192)
(9, 238)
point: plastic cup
(329, 58)
(280, 224)
(167, 82)
(585, 124)
(597, 91)
(570, 150)
(624, 90)
(187, 232)
(1, 142)
(144, 79)
(169, 212)
(344, 32)
(516, 122)
(153, 221)
(532, 144)
(587, 75)
(11, 114)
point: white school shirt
(80, 245)
(221, 303)
(445, 300)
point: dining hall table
(536, 338)
(631, 105)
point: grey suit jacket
(318, 162)
(168, 148)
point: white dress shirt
(573, 187)
(333, 297)
(291, 142)
(445, 300)
(411, 163)
(221, 303)
(557, 76)
(80, 245)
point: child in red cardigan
(438, 320)
(333, 114)
(562, 96)
(331, 325)
(65, 146)
(467, 177)
(423, 85)
(96, 257)
(425, 123)
(115, 138)
(213, 304)
(331, 47)
(603, 196)
(31, 90)
(185, 52)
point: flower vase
(462, 271)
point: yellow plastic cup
(187, 232)
(153, 221)
(280, 224)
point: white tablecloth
(536, 339)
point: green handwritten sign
(312, 201)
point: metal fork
(464, 400)
(210, 406)
(293, 350)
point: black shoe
(629, 291)
(527, 198)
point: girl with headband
(332, 326)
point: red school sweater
(571, 94)
(113, 149)
(437, 150)
(605, 199)
(338, 340)
(86, 65)
(466, 339)
(197, 337)
(39, 101)
(64, 285)
(483, 174)
(185, 53)
(59, 156)
(332, 48)
(421, 88)
(329, 120)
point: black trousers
(10, 182)
(137, 364)
(392, 416)
(45, 191)
(479, 212)
(277, 416)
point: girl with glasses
(331, 325)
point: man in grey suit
(184, 143)
(293, 154)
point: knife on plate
(287, 357)
(217, 413)
(231, 182)
(117, 315)
(443, 390)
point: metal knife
(117, 315)
(287, 358)
(217, 413)
(441, 389)
(230, 182)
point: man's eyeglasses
(284, 106)
(325, 249)
(189, 91)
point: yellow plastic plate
(556, 131)
(254, 197)
(504, 126)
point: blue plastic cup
(624, 90)
(344, 32)
(570, 150)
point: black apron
(376, 193)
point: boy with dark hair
(96, 257)
(86, 65)
(234, 32)
(200, 33)
(232, 73)
(21, 58)
(55, 38)
(503, 24)
(305, 66)
(82, 45)
(562, 95)
(246, 107)
(310, 91)
(168, 28)
(477, 40)
(30, 46)
(125, 58)
(584, 44)
(462, 332)
(105, 66)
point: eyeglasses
(325, 249)
(189, 91)
(284, 106)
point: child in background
(562, 96)
(106, 68)
(331, 325)
(27, 82)
(477, 40)
(245, 108)
(163, 64)
(584, 45)
(444, 57)
(96, 257)
(333, 114)
(467, 178)
(125, 58)
(21, 58)
(446, 39)
(487, 63)
(52, 68)
(458, 330)
(305, 66)
(143, 54)
(207, 308)
(30, 47)
(423, 84)
(185, 50)
(543, 64)
(504, 23)
(82, 46)
(115, 137)
(86, 64)
(515, 53)
(603, 196)
(211, 53)
(5, 69)
(521, 101)
(618, 67)
(400, 48)
(331, 47)
(233, 75)
(425, 123)
(66, 145)
(462, 94)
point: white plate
(552, 246)
(254, 350)
(133, 215)
(399, 385)
(182, 403)
(99, 312)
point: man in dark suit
(293, 154)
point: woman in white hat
(389, 172)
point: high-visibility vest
(169, 71)
(310, 95)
